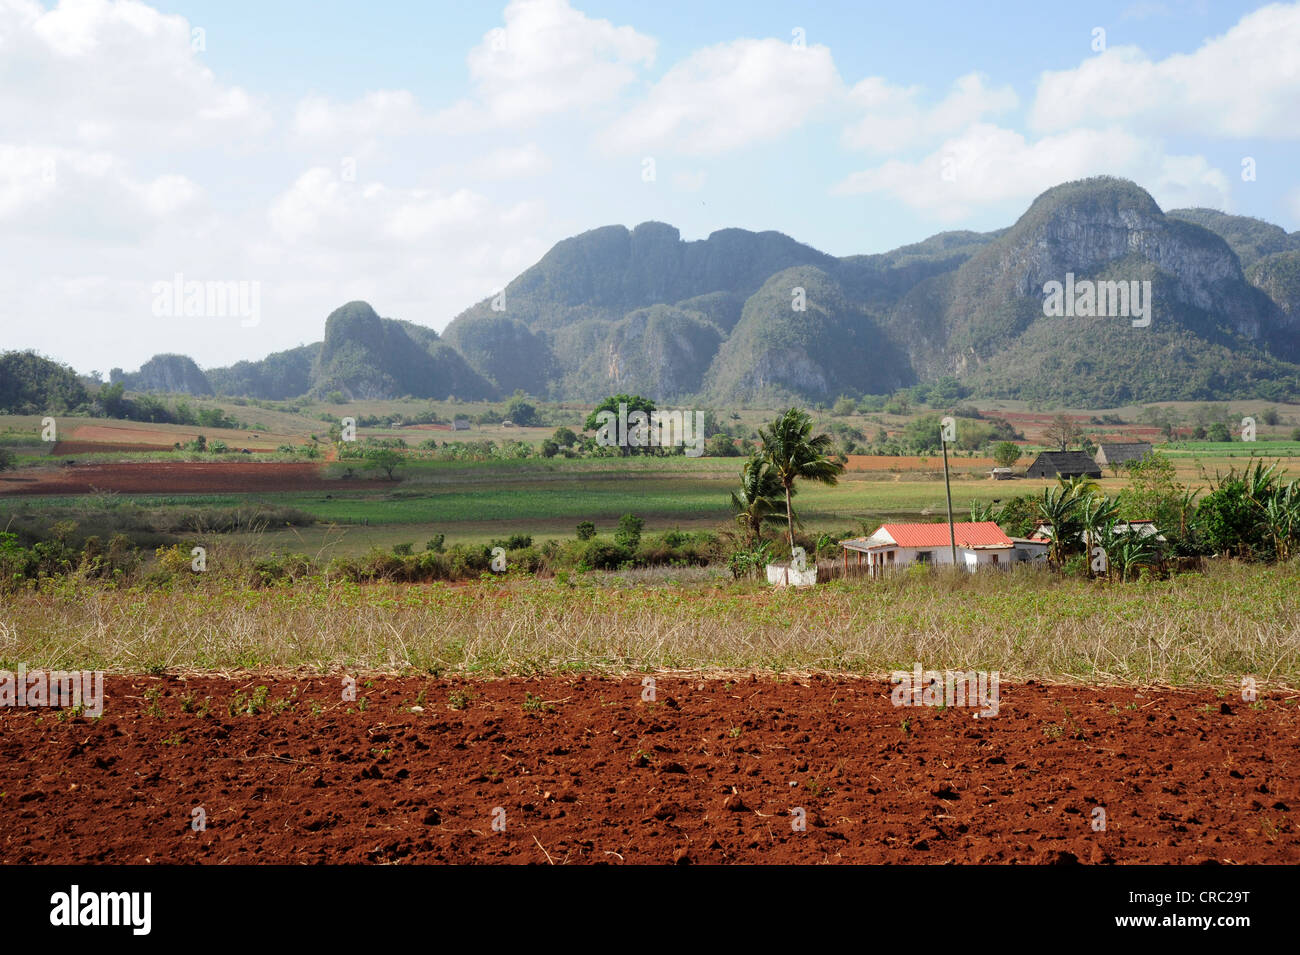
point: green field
(475, 502)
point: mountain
(284, 374)
(801, 334)
(365, 356)
(1278, 277)
(32, 384)
(1250, 238)
(1212, 333)
(743, 316)
(175, 374)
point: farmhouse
(1043, 530)
(1117, 454)
(894, 546)
(1066, 464)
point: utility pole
(947, 487)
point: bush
(721, 446)
(586, 530)
(628, 534)
(514, 542)
(602, 555)
(435, 543)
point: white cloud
(112, 74)
(987, 165)
(511, 163)
(1245, 83)
(550, 58)
(726, 97)
(47, 190)
(894, 119)
(320, 210)
(379, 113)
(415, 253)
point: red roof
(967, 534)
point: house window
(923, 556)
(995, 558)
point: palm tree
(759, 499)
(793, 453)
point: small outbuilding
(1063, 464)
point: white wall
(942, 556)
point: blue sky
(421, 155)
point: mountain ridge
(722, 319)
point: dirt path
(585, 770)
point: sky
(420, 155)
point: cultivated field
(577, 769)
(521, 700)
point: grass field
(1206, 629)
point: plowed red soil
(583, 770)
(179, 477)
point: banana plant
(1281, 517)
(1097, 513)
(1059, 509)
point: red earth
(584, 770)
(175, 477)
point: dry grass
(1215, 628)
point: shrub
(466, 561)
(628, 534)
(603, 555)
(586, 530)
